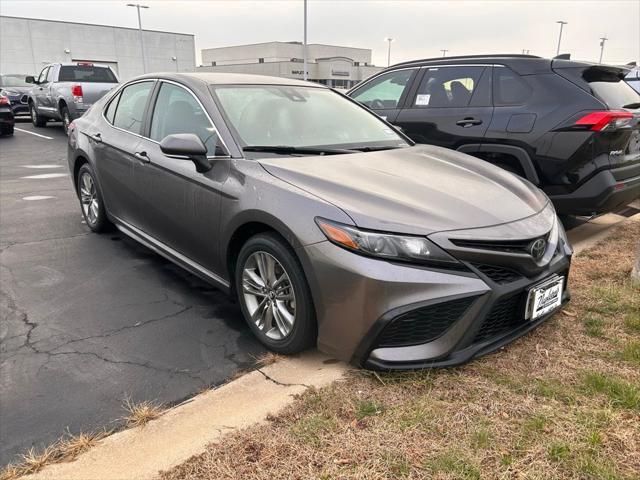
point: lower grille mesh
(498, 274)
(506, 314)
(423, 324)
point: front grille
(498, 274)
(506, 314)
(423, 324)
(509, 246)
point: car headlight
(9, 93)
(383, 245)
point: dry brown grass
(267, 358)
(65, 449)
(563, 402)
(139, 414)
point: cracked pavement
(86, 320)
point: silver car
(329, 225)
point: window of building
(356, 64)
(447, 87)
(261, 60)
(178, 111)
(213, 64)
(130, 110)
(385, 90)
(509, 88)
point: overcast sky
(421, 28)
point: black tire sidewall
(304, 332)
(36, 119)
(102, 223)
(65, 113)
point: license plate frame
(544, 297)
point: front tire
(37, 119)
(91, 201)
(274, 295)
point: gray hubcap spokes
(89, 198)
(269, 295)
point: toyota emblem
(537, 248)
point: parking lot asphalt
(88, 320)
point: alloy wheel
(269, 295)
(89, 198)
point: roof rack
(490, 55)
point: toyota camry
(326, 222)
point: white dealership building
(335, 66)
(27, 44)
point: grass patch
(621, 394)
(594, 325)
(139, 414)
(368, 408)
(632, 323)
(455, 464)
(558, 451)
(312, 430)
(631, 352)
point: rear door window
(86, 73)
(509, 88)
(443, 87)
(384, 91)
(131, 107)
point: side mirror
(187, 145)
(30, 79)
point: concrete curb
(185, 430)
(589, 234)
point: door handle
(96, 137)
(468, 122)
(142, 156)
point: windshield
(282, 115)
(86, 73)
(13, 81)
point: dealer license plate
(544, 298)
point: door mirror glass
(187, 145)
(30, 79)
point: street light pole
(562, 24)
(304, 45)
(389, 40)
(602, 40)
(444, 52)
(144, 58)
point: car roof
(523, 64)
(211, 78)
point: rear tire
(7, 130)
(91, 201)
(274, 295)
(66, 119)
(37, 119)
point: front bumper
(6, 116)
(468, 313)
(604, 192)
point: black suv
(571, 128)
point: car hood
(20, 90)
(417, 190)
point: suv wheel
(91, 200)
(36, 119)
(66, 119)
(274, 295)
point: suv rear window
(610, 88)
(86, 73)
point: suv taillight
(4, 100)
(609, 119)
(76, 91)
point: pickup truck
(64, 91)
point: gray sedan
(329, 225)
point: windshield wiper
(377, 149)
(287, 149)
(632, 105)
